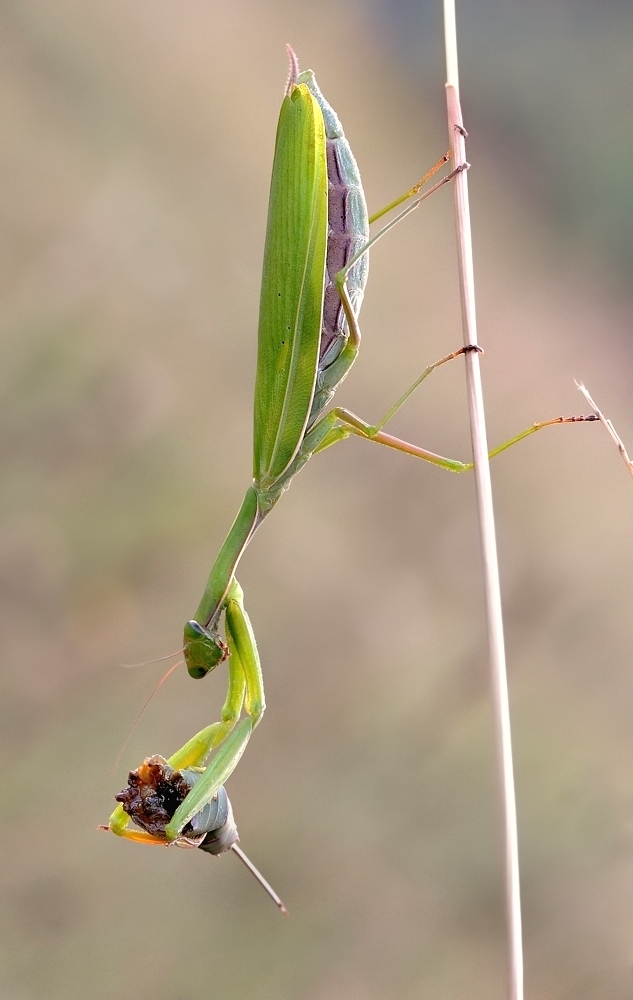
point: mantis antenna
(260, 878)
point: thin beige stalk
(609, 427)
(492, 591)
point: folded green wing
(291, 304)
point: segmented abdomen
(348, 231)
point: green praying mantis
(314, 275)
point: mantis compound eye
(203, 649)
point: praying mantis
(314, 276)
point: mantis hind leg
(340, 423)
(349, 423)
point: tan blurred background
(136, 144)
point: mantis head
(203, 649)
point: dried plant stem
(609, 427)
(486, 521)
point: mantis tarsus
(314, 275)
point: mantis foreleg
(246, 690)
(244, 662)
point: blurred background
(136, 146)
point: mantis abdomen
(348, 232)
